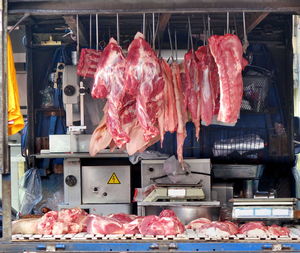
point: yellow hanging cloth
(15, 117)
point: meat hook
(90, 31)
(204, 31)
(190, 33)
(153, 31)
(144, 24)
(171, 44)
(227, 27)
(245, 42)
(97, 33)
(175, 35)
(208, 26)
(77, 34)
(118, 29)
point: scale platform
(263, 208)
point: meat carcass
(97, 224)
(143, 79)
(254, 229)
(192, 89)
(170, 112)
(228, 54)
(182, 117)
(278, 230)
(88, 61)
(109, 83)
(165, 224)
(207, 99)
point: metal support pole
(176, 55)
(97, 33)
(77, 35)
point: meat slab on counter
(258, 229)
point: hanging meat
(227, 51)
(143, 79)
(182, 117)
(206, 88)
(109, 82)
(170, 113)
(192, 89)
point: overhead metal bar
(144, 6)
(26, 15)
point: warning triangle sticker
(114, 179)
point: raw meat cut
(65, 221)
(207, 95)
(161, 225)
(216, 229)
(180, 109)
(25, 226)
(88, 61)
(233, 228)
(228, 54)
(122, 217)
(278, 230)
(46, 223)
(192, 89)
(101, 138)
(167, 213)
(143, 79)
(198, 223)
(97, 224)
(170, 113)
(133, 226)
(254, 229)
(109, 83)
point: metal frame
(108, 7)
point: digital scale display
(262, 212)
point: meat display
(227, 51)
(143, 79)
(254, 229)
(147, 97)
(97, 224)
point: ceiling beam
(71, 22)
(253, 19)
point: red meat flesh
(278, 231)
(198, 223)
(192, 89)
(167, 213)
(233, 228)
(180, 109)
(88, 62)
(228, 54)
(103, 225)
(215, 229)
(47, 222)
(143, 79)
(109, 82)
(133, 226)
(207, 94)
(254, 229)
(122, 217)
(170, 113)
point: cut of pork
(216, 229)
(97, 224)
(228, 54)
(192, 89)
(198, 223)
(143, 79)
(278, 230)
(180, 109)
(207, 93)
(254, 229)
(46, 223)
(109, 83)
